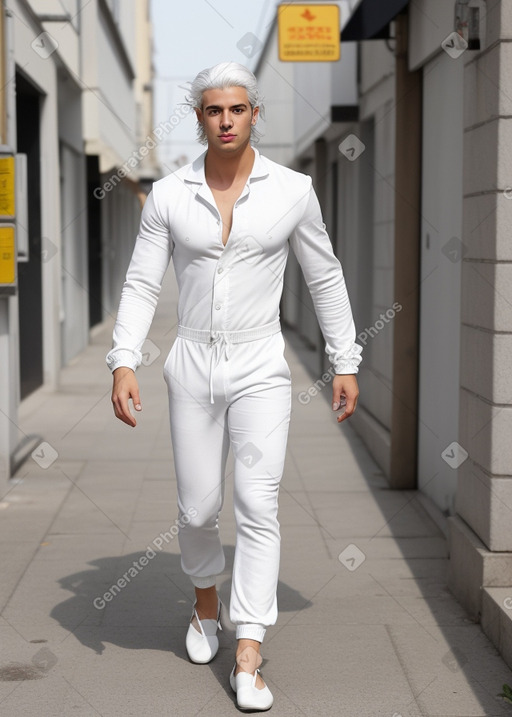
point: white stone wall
(109, 118)
(275, 81)
(375, 234)
(485, 480)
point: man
(227, 220)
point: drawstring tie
(218, 341)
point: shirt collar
(196, 175)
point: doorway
(28, 105)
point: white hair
(218, 77)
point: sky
(187, 37)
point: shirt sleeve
(141, 289)
(324, 277)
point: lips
(227, 136)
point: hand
(344, 387)
(125, 387)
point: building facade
(407, 139)
(78, 98)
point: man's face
(227, 118)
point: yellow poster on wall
(308, 33)
(7, 208)
(7, 255)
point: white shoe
(203, 646)
(248, 696)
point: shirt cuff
(348, 361)
(123, 357)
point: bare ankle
(207, 602)
(248, 657)
(244, 642)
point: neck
(225, 169)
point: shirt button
(217, 306)
(220, 270)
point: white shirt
(237, 286)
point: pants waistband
(234, 337)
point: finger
(136, 400)
(126, 414)
(335, 402)
(338, 400)
(349, 408)
(125, 417)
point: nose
(226, 120)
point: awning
(370, 20)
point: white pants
(251, 389)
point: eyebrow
(217, 107)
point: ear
(255, 114)
(199, 115)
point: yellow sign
(7, 255)
(308, 33)
(7, 186)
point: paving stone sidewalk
(367, 626)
